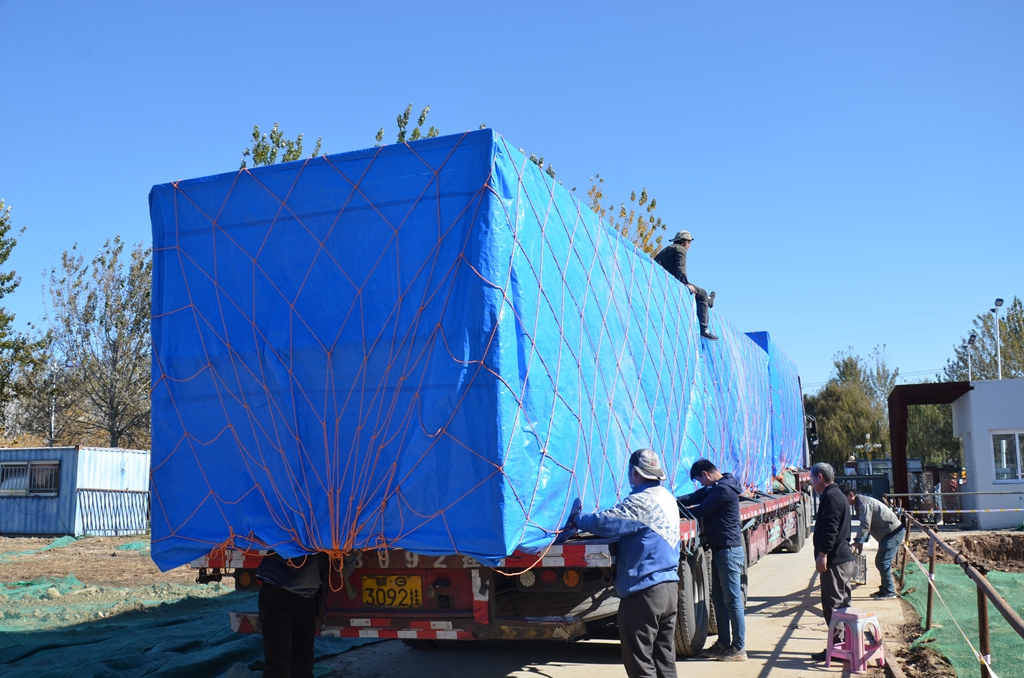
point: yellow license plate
(393, 591)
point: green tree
(15, 347)
(853, 403)
(403, 127)
(49, 406)
(930, 435)
(265, 147)
(637, 223)
(99, 324)
(984, 363)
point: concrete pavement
(784, 626)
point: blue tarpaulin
(431, 346)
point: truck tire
(420, 643)
(744, 577)
(712, 617)
(796, 542)
(693, 614)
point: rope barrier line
(311, 412)
(986, 660)
(959, 510)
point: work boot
(711, 300)
(706, 333)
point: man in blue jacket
(646, 580)
(718, 503)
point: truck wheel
(745, 579)
(796, 542)
(712, 617)
(692, 617)
(420, 643)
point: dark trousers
(835, 588)
(289, 627)
(647, 627)
(702, 306)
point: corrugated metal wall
(42, 515)
(113, 491)
(103, 491)
(105, 468)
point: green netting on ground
(55, 544)
(142, 545)
(59, 627)
(960, 594)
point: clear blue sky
(853, 172)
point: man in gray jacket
(877, 520)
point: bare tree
(49, 407)
(99, 324)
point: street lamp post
(967, 350)
(867, 447)
(999, 353)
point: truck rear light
(549, 577)
(571, 578)
(528, 578)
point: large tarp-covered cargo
(431, 346)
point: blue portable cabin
(431, 346)
(74, 491)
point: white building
(989, 421)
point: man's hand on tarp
(570, 525)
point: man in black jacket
(718, 503)
(833, 556)
(673, 260)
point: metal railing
(986, 592)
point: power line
(862, 322)
(873, 334)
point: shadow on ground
(189, 638)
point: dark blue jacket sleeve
(711, 502)
(694, 497)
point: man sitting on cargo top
(646, 579)
(673, 260)
(718, 503)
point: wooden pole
(985, 647)
(931, 581)
(906, 543)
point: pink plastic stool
(853, 649)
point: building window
(1006, 448)
(30, 478)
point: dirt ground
(95, 561)
(1001, 550)
(916, 662)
